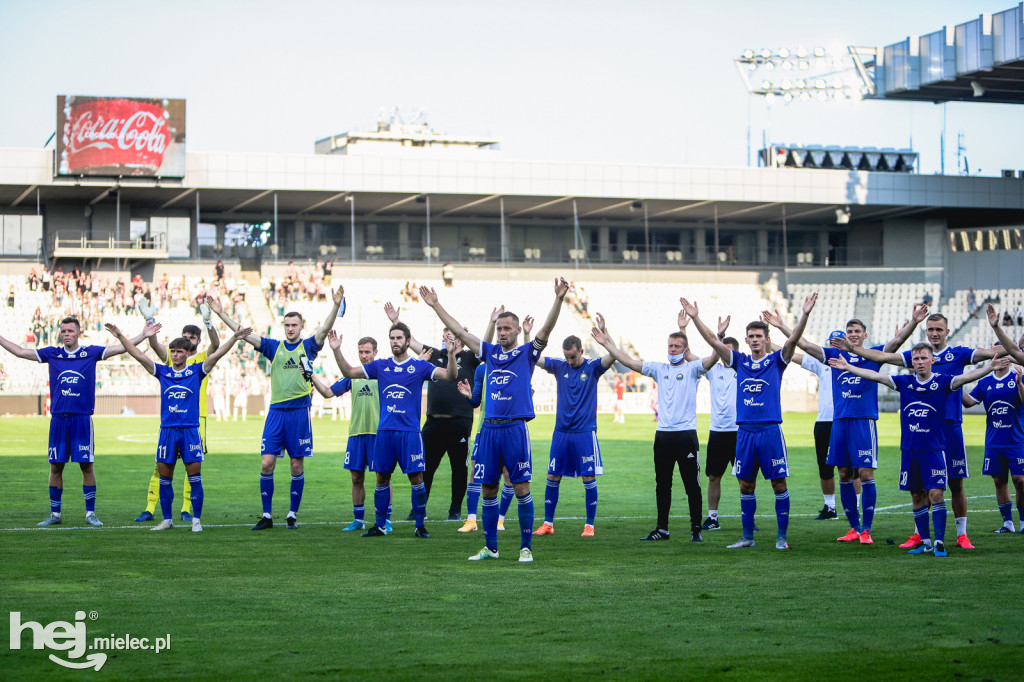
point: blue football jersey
(509, 373)
(923, 410)
(951, 360)
(577, 393)
(1002, 409)
(758, 388)
(400, 386)
(72, 377)
(179, 394)
(852, 396)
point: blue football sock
(472, 499)
(389, 502)
(359, 512)
(782, 512)
(166, 496)
(550, 501)
(490, 519)
(921, 523)
(748, 505)
(590, 496)
(90, 498)
(419, 502)
(848, 498)
(869, 496)
(939, 521)
(267, 492)
(1005, 512)
(526, 520)
(55, 495)
(507, 493)
(298, 483)
(197, 495)
(381, 504)
(1020, 514)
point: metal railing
(76, 239)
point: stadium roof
(317, 185)
(981, 60)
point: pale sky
(644, 81)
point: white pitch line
(884, 511)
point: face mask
(676, 359)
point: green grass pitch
(319, 603)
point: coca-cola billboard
(120, 136)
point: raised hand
(770, 318)
(339, 294)
(993, 316)
(682, 319)
(114, 331)
(561, 287)
(240, 334)
(599, 319)
(391, 311)
(214, 303)
(496, 312)
(842, 343)
(723, 325)
(428, 295)
(809, 302)
(601, 336)
(528, 324)
(152, 329)
(425, 354)
(334, 338)
(689, 308)
(1001, 363)
(920, 313)
(464, 388)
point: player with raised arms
(951, 360)
(853, 441)
(575, 451)
(288, 426)
(180, 386)
(400, 386)
(1002, 395)
(759, 439)
(923, 403)
(73, 392)
(362, 429)
(504, 437)
(476, 396)
(193, 335)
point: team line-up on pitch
(471, 371)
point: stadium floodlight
(825, 77)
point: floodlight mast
(805, 74)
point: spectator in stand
(10, 298)
(1019, 312)
(1007, 320)
(972, 302)
(620, 389)
(448, 275)
(3, 376)
(218, 269)
(927, 299)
